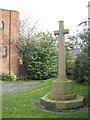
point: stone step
(46, 102)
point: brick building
(9, 37)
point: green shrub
(13, 76)
(41, 56)
(85, 95)
(41, 63)
(23, 77)
(6, 77)
(80, 69)
(69, 64)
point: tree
(80, 68)
(79, 40)
(76, 65)
(27, 33)
(38, 51)
(69, 63)
(40, 57)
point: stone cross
(62, 67)
(61, 96)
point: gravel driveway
(8, 87)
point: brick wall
(10, 63)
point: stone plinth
(61, 105)
(62, 90)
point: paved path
(8, 87)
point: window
(2, 25)
(4, 51)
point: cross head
(61, 29)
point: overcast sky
(49, 12)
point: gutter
(10, 43)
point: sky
(50, 12)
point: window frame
(4, 51)
(2, 25)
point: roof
(8, 10)
(75, 52)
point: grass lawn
(20, 104)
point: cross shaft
(61, 32)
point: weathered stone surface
(62, 105)
(62, 95)
(60, 33)
(61, 78)
(62, 90)
(62, 87)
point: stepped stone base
(62, 97)
(46, 102)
